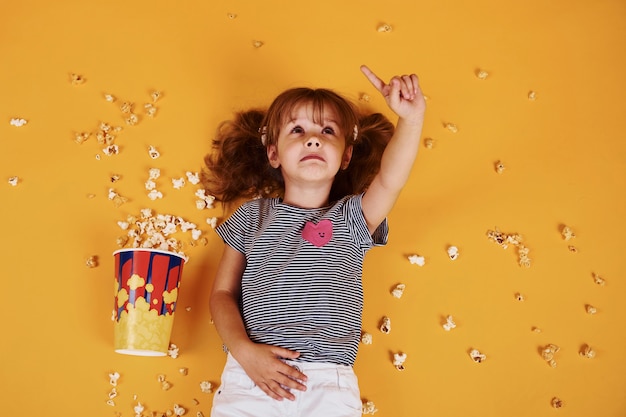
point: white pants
(332, 391)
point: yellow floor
(563, 152)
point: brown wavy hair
(238, 166)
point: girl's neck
(311, 198)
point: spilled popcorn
(398, 360)
(477, 356)
(385, 326)
(366, 338)
(548, 353)
(417, 260)
(449, 324)
(369, 408)
(506, 239)
(18, 122)
(398, 290)
(587, 352)
(13, 181)
(453, 252)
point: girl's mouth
(312, 156)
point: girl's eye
(328, 131)
(297, 129)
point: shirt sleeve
(232, 231)
(354, 212)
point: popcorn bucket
(146, 289)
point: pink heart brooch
(318, 234)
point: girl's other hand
(402, 94)
(264, 366)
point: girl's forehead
(316, 112)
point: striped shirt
(301, 288)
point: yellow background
(564, 153)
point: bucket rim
(164, 252)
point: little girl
(287, 297)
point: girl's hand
(403, 94)
(264, 366)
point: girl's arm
(404, 97)
(261, 362)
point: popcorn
(384, 27)
(567, 233)
(112, 393)
(81, 137)
(154, 173)
(178, 410)
(126, 107)
(231, 15)
(77, 79)
(591, 310)
(92, 262)
(557, 402)
(117, 199)
(132, 119)
(155, 194)
(113, 378)
(138, 409)
(398, 290)
(417, 260)
(152, 151)
(183, 371)
(535, 329)
(453, 252)
(206, 387)
(385, 326)
(115, 178)
(366, 338)
(155, 95)
(532, 95)
(193, 177)
(500, 167)
(364, 97)
(519, 297)
(398, 360)
(449, 324)
(257, 44)
(451, 127)
(212, 221)
(504, 239)
(587, 352)
(369, 408)
(111, 150)
(150, 109)
(481, 74)
(178, 183)
(204, 201)
(548, 353)
(598, 280)
(110, 98)
(172, 351)
(429, 143)
(477, 356)
(150, 185)
(18, 122)
(13, 181)
(572, 248)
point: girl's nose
(313, 141)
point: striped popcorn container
(146, 290)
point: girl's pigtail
(374, 133)
(238, 166)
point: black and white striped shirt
(301, 288)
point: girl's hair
(239, 167)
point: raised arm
(404, 97)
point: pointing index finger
(376, 82)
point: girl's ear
(272, 156)
(347, 156)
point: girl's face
(310, 150)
